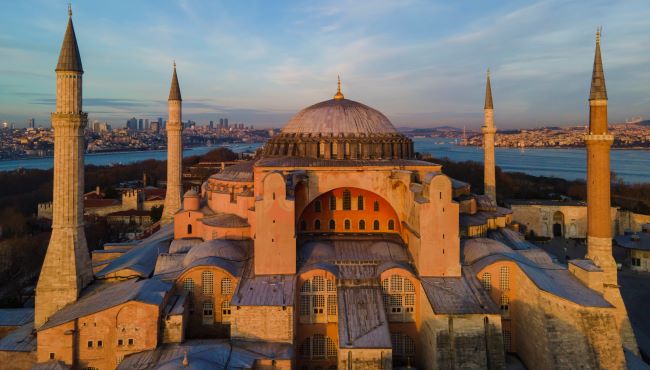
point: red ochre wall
(368, 214)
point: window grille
(332, 225)
(507, 340)
(317, 206)
(375, 225)
(317, 225)
(207, 279)
(332, 203)
(362, 224)
(360, 203)
(505, 304)
(487, 281)
(317, 300)
(188, 285)
(226, 286)
(225, 311)
(399, 298)
(391, 225)
(504, 278)
(346, 224)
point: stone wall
(17, 360)
(263, 323)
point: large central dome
(339, 116)
(340, 129)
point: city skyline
(423, 64)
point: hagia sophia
(335, 248)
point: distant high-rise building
(225, 123)
(5, 125)
(211, 124)
(220, 122)
(31, 123)
(132, 124)
(147, 125)
(140, 124)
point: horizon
(261, 64)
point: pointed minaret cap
(175, 90)
(488, 93)
(598, 89)
(69, 58)
(339, 95)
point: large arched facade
(349, 210)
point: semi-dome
(339, 116)
(340, 128)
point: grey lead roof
(241, 172)
(264, 290)
(362, 318)
(598, 89)
(206, 354)
(21, 339)
(488, 94)
(640, 241)
(547, 276)
(16, 316)
(69, 58)
(174, 90)
(108, 295)
(339, 116)
(458, 295)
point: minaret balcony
(600, 137)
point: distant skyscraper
(225, 123)
(140, 124)
(211, 124)
(32, 123)
(132, 124)
(220, 122)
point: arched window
(399, 298)
(403, 348)
(317, 206)
(504, 278)
(375, 206)
(207, 279)
(332, 203)
(303, 225)
(362, 224)
(317, 225)
(225, 311)
(334, 149)
(486, 281)
(318, 347)
(321, 150)
(318, 301)
(360, 202)
(189, 228)
(226, 286)
(332, 225)
(391, 225)
(188, 285)
(347, 200)
(346, 224)
(375, 225)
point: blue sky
(422, 63)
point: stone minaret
(599, 223)
(174, 153)
(488, 129)
(66, 269)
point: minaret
(66, 269)
(598, 141)
(488, 129)
(599, 223)
(174, 152)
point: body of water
(631, 165)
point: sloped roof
(362, 318)
(16, 316)
(69, 57)
(598, 89)
(141, 259)
(264, 290)
(549, 277)
(150, 291)
(241, 172)
(21, 339)
(458, 295)
(174, 90)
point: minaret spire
(598, 88)
(174, 151)
(338, 95)
(66, 269)
(488, 129)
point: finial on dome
(70, 10)
(599, 30)
(339, 95)
(186, 362)
(174, 63)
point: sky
(422, 63)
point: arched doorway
(558, 224)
